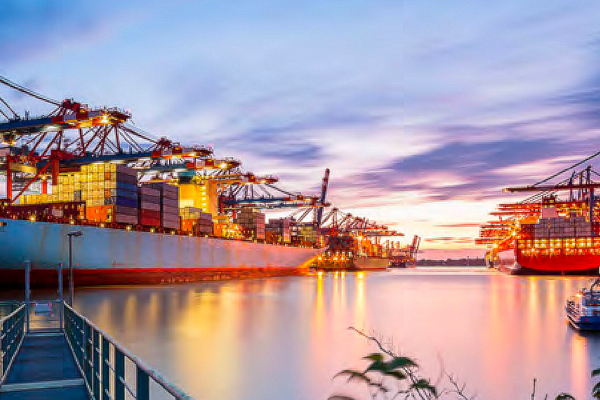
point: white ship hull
(114, 256)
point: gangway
(70, 359)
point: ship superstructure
(555, 230)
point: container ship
(556, 230)
(136, 209)
(354, 244)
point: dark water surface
(285, 338)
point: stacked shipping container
(194, 220)
(562, 227)
(305, 233)
(252, 222)
(110, 193)
(169, 205)
(149, 206)
(280, 227)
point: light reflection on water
(285, 338)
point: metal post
(142, 387)
(71, 283)
(96, 372)
(119, 375)
(27, 291)
(105, 369)
(60, 295)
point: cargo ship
(144, 209)
(554, 231)
(361, 251)
(106, 256)
(139, 234)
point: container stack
(196, 221)
(527, 231)
(559, 227)
(42, 212)
(306, 233)
(205, 224)
(252, 222)
(541, 228)
(110, 193)
(149, 206)
(582, 227)
(169, 205)
(280, 227)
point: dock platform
(44, 368)
(72, 360)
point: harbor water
(285, 338)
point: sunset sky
(422, 110)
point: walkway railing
(102, 362)
(12, 332)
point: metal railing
(102, 363)
(12, 333)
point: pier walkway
(44, 368)
(73, 360)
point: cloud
(417, 108)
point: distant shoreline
(453, 262)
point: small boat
(583, 309)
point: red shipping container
(149, 222)
(149, 214)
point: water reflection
(284, 338)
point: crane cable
(9, 107)
(566, 169)
(29, 92)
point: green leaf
(401, 362)
(377, 366)
(352, 374)
(564, 396)
(424, 384)
(396, 374)
(596, 372)
(596, 391)
(374, 357)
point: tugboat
(583, 309)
